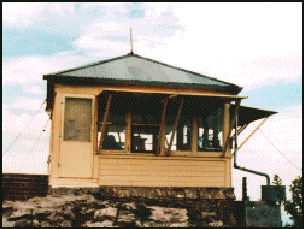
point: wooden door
(76, 142)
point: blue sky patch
(274, 97)
(17, 43)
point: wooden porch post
(104, 124)
(194, 147)
(162, 126)
(174, 128)
(231, 126)
(226, 132)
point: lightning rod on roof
(131, 41)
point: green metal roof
(132, 69)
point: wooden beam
(258, 127)
(128, 132)
(237, 108)
(240, 130)
(104, 124)
(226, 125)
(162, 127)
(174, 128)
(231, 126)
(96, 125)
(194, 144)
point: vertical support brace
(162, 127)
(174, 128)
(104, 124)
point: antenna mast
(131, 41)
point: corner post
(226, 129)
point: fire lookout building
(132, 122)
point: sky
(257, 46)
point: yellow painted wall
(163, 171)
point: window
(168, 132)
(146, 112)
(114, 136)
(210, 126)
(183, 135)
(184, 130)
(144, 139)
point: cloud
(284, 129)
(28, 104)
(63, 8)
(35, 162)
(21, 14)
(27, 154)
(228, 41)
(172, 35)
(105, 30)
(30, 69)
(13, 124)
(34, 90)
(231, 50)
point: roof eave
(233, 89)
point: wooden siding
(162, 172)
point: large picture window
(135, 118)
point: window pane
(114, 137)
(169, 131)
(184, 134)
(77, 119)
(210, 128)
(144, 139)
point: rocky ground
(86, 211)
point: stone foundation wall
(209, 204)
(86, 210)
(152, 193)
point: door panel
(76, 151)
